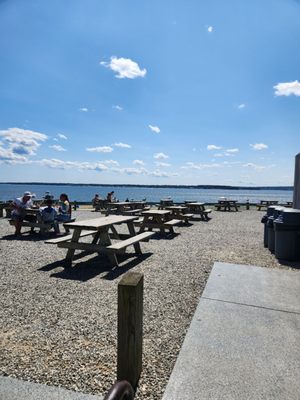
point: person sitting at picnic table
(64, 208)
(96, 200)
(48, 214)
(19, 214)
(110, 197)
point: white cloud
(160, 156)
(138, 162)
(124, 67)
(116, 107)
(111, 162)
(194, 149)
(100, 149)
(213, 147)
(57, 147)
(154, 128)
(232, 150)
(162, 164)
(61, 136)
(162, 174)
(7, 156)
(287, 88)
(22, 141)
(254, 166)
(60, 164)
(83, 109)
(242, 105)
(123, 145)
(259, 146)
(193, 165)
(133, 171)
(210, 29)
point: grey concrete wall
(296, 199)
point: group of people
(110, 197)
(47, 213)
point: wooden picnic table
(165, 203)
(120, 207)
(266, 204)
(102, 230)
(179, 212)
(199, 209)
(157, 219)
(227, 205)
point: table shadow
(89, 269)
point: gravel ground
(59, 327)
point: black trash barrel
(264, 220)
(287, 235)
(270, 225)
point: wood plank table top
(176, 208)
(97, 223)
(156, 212)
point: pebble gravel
(59, 327)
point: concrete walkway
(244, 339)
(16, 389)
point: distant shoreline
(226, 187)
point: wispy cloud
(254, 166)
(83, 109)
(111, 162)
(287, 88)
(235, 150)
(213, 147)
(162, 174)
(61, 136)
(57, 147)
(155, 129)
(241, 106)
(124, 67)
(193, 165)
(100, 149)
(122, 145)
(210, 29)
(259, 146)
(162, 164)
(138, 162)
(116, 107)
(60, 164)
(160, 156)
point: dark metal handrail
(121, 390)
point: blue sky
(153, 92)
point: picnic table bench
(157, 219)
(125, 207)
(103, 230)
(165, 203)
(265, 204)
(227, 205)
(199, 209)
(179, 212)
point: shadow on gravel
(89, 269)
(32, 237)
(292, 264)
(166, 236)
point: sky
(150, 92)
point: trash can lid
(270, 210)
(290, 216)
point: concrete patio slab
(16, 389)
(262, 287)
(236, 351)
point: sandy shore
(59, 327)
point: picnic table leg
(96, 238)
(70, 253)
(104, 240)
(131, 229)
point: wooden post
(296, 200)
(130, 327)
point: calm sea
(152, 194)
